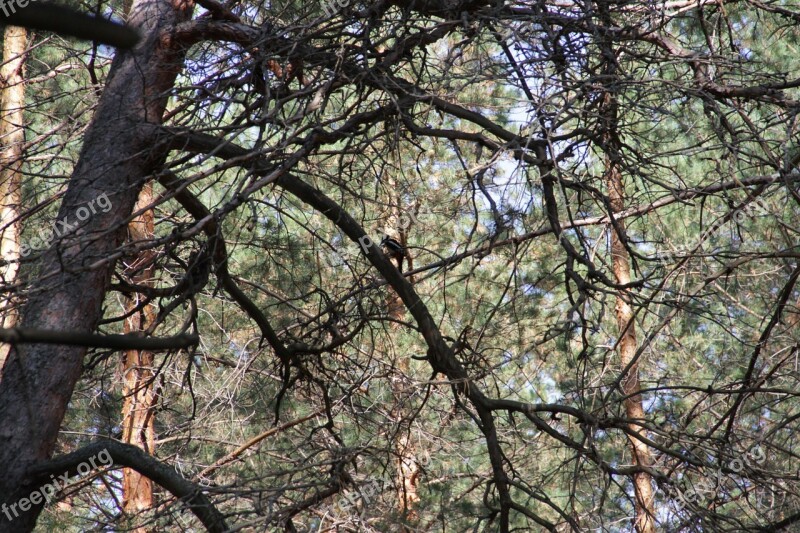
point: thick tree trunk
(116, 156)
(12, 137)
(138, 410)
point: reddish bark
(117, 155)
(137, 386)
(634, 411)
(406, 465)
(12, 137)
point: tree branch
(133, 457)
(75, 338)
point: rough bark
(116, 156)
(138, 410)
(12, 137)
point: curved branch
(440, 356)
(133, 457)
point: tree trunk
(138, 410)
(406, 465)
(611, 145)
(642, 481)
(12, 137)
(117, 155)
(634, 411)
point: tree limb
(133, 457)
(92, 340)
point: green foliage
(528, 321)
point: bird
(395, 250)
(65, 21)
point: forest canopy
(402, 265)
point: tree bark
(611, 144)
(116, 157)
(12, 137)
(627, 344)
(406, 465)
(642, 481)
(138, 410)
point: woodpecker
(395, 250)
(67, 21)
